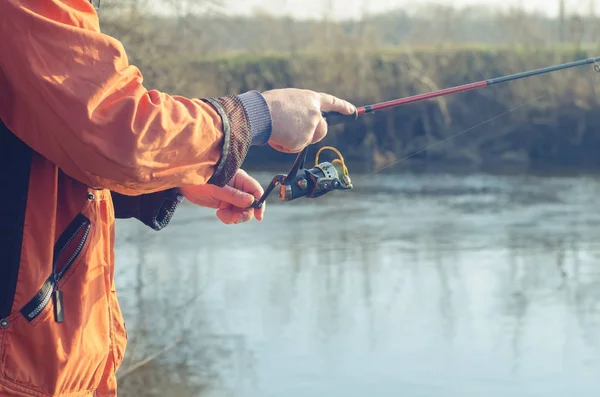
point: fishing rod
(325, 177)
(334, 118)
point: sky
(355, 8)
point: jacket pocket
(66, 251)
(56, 346)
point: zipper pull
(57, 296)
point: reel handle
(277, 180)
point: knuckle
(314, 108)
(234, 194)
(240, 195)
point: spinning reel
(312, 183)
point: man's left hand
(232, 201)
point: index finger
(330, 103)
(233, 196)
(251, 186)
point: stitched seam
(22, 388)
(112, 345)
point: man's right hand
(297, 118)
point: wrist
(259, 117)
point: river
(410, 285)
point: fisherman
(83, 142)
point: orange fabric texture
(74, 98)
(94, 136)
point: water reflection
(435, 285)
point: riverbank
(550, 120)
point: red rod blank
(420, 97)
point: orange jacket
(82, 141)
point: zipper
(57, 293)
(39, 301)
(51, 288)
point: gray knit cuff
(259, 117)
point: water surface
(410, 285)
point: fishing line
(326, 177)
(454, 136)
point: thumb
(233, 196)
(329, 103)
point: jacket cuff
(154, 210)
(237, 132)
(259, 117)
(158, 209)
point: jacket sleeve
(71, 95)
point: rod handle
(334, 118)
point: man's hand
(232, 201)
(297, 118)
